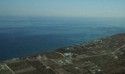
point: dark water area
(24, 36)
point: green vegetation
(103, 56)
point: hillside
(102, 56)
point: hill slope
(103, 56)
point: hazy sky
(85, 8)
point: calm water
(21, 36)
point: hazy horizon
(63, 8)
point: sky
(82, 8)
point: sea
(29, 35)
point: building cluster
(95, 57)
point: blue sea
(25, 36)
